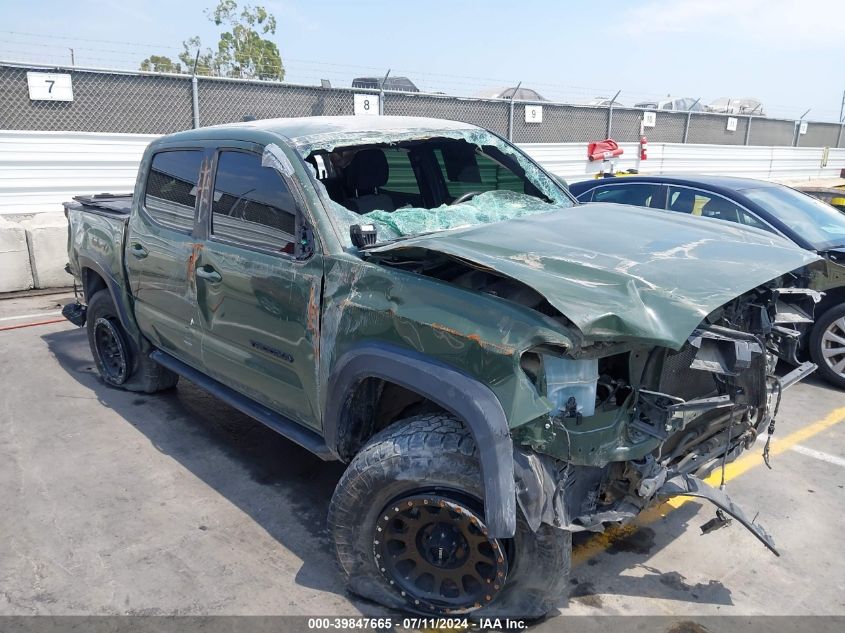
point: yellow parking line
(746, 462)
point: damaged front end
(664, 419)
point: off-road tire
(817, 343)
(142, 373)
(435, 452)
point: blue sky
(784, 52)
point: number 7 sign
(49, 86)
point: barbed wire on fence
(127, 55)
(108, 100)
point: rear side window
(171, 193)
(639, 194)
(710, 205)
(252, 204)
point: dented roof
(300, 128)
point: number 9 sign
(533, 114)
(365, 104)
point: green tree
(161, 64)
(243, 49)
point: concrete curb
(15, 267)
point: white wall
(40, 170)
(780, 164)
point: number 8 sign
(365, 104)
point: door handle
(139, 251)
(209, 274)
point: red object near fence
(603, 150)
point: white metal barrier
(40, 170)
(780, 164)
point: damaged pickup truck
(421, 300)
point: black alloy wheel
(111, 350)
(436, 552)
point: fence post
(195, 93)
(689, 119)
(381, 92)
(748, 130)
(798, 123)
(510, 113)
(195, 100)
(510, 121)
(686, 126)
(610, 115)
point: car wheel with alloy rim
(827, 345)
(408, 525)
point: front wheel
(407, 521)
(827, 345)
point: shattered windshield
(409, 183)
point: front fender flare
(469, 400)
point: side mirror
(363, 235)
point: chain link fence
(151, 103)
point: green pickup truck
(421, 300)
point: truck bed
(96, 231)
(114, 204)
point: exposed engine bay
(663, 419)
(704, 405)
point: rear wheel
(827, 345)
(117, 358)
(407, 520)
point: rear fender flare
(119, 297)
(467, 399)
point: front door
(258, 293)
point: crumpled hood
(620, 272)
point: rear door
(161, 249)
(258, 288)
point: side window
(749, 220)
(705, 204)
(252, 204)
(639, 194)
(171, 192)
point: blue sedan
(807, 222)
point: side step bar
(288, 428)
